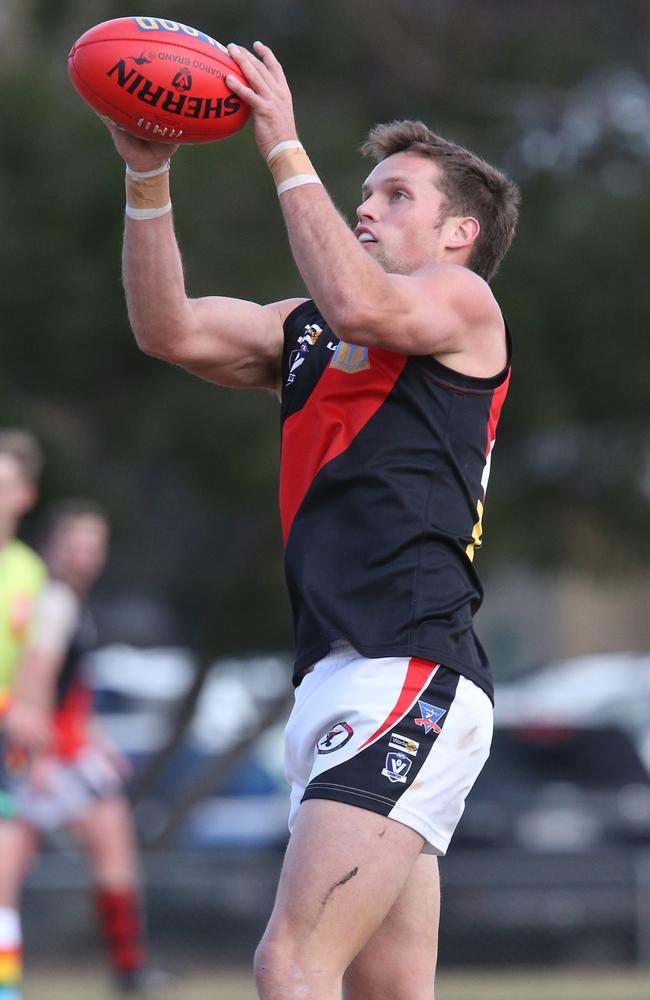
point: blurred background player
(73, 778)
(22, 575)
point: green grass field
(487, 985)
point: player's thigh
(399, 960)
(106, 833)
(18, 846)
(343, 871)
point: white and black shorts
(68, 789)
(363, 730)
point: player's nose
(367, 209)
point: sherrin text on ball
(158, 79)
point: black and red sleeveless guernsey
(385, 461)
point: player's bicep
(236, 343)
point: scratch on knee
(337, 885)
(383, 833)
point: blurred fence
(500, 908)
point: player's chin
(368, 245)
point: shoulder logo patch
(350, 359)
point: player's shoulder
(23, 562)
(466, 298)
(285, 307)
(459, 281)
(58, 597)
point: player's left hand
(267, 93)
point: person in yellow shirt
(73, 777)
(22, 575)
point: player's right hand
(28, 727)
(138, 154)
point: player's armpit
(232, 342)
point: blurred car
(609, 688)
(559, 787)
(549, 861)
(246, 806)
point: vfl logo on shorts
(431, 716)
(335, 738)
(397, 767)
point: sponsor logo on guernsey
(399, 742)
(299, 355)
(350, 359)
(397, 767)
(335, 738)
(431, 716)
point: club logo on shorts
(398, 742)
(431, 715)
(397, 767)
(335, 738)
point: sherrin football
(159, 79)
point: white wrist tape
(141, 175)
(147, 193)
(290, 166)
(147, 213)
(281, 146)
(296, 181)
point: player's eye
(397, 195)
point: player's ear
(464, 232)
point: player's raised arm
(383, 284)
(228, 341)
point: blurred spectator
(22, 575)
(69, 776)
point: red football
(158, 79)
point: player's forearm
(349, 288)
(35, 684)
(159, 310)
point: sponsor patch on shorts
(399, 742)
(431, 716)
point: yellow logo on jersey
(477, 533)
(350, 358)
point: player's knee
(270, 956)
(281, 964)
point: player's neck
(7, 535)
